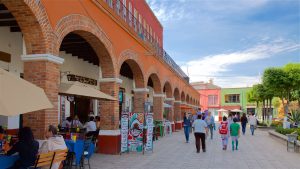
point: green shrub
(287, 131)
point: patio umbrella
(18, 96)
(236, 110)
(222, 110)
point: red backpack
(223, 128)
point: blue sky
(231, 41)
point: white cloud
(213, 66)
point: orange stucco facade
(45, 24)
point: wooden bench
(47, 159)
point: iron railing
(143, 34)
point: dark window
(232, 98)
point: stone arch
(138, 75)
(156, 83)
(187, 99)
(168, 89)
(176, 94)
(32, 18)
(94, 35)
(182, 96)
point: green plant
(295, 116)
(288, 131)
(276, 124)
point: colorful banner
(135, 135)
(150, 125)
(124, 132)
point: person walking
(235, 134)
(244, 121)
(200, 130)
(186, 126)
(223, 130)
(252, 122)
(210, 121)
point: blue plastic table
(7, 161)
(77, 148)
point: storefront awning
(80, 89)
(18, 96)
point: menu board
(135, 135)
(124, 132)
(150, 125)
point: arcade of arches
(48, 47)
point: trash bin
(291, 142)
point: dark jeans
(187, 133)
(211, 129)
(244, 127)
(252, 128)
(198, 137)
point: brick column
(109, 136)
(140, 96)
(171, 115)
(177, 113)
(158, 101)
(43, 71)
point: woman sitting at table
(27, 148)
(67, 123)
(76, 123)
(54, 142)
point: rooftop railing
(143, 34)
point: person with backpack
(235, 134)
(223, 130)
(244, 121)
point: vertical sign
(150, 125)
(124, 132)
(135, 135)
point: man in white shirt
(91, 125)
(200, 130)
(252, 122)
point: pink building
(210, 97)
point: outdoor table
(77, 148)
(8, 161)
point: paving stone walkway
(171, 152)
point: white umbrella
(18, 96)
(222, 110)
(236, 110)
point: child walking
(235, 134)
(223, 130)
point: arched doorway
(168, 102)
(156, 97)
(133, 80)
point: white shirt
(199, 126)
(65, 124)
(252, 120)
(90, 126)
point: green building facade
(236, 98)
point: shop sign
(135, 135)
(81, 79)
(150, 125)
(124, 132)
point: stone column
(43, 71)
(177, 113)
(139, 99)
(158, 101)
(171, 115)
(109, 136)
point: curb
(282, 137)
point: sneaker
(204, 151)
(198, 151)
(236, 148)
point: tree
(293, 76)
(275, 79)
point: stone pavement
(171, 152)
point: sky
(230, 41)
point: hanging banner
(124, 132)
(150, 125)
(135, 135)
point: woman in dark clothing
(27, 148)
(244, 121)
(186, 126)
